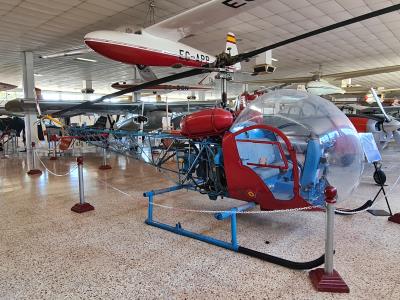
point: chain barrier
(339, 210)
(137, 197)
(51, 172)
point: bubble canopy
(303, 117)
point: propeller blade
(378, 101)
(223, 60)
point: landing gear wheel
(379, 177)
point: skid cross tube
(234, 244)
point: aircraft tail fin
(232, 49)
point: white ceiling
(48, 26)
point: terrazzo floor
(49, 252)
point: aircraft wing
(71, 52)
(287, 80)
(377, 110)
(199, 17)
(335, 76)
(6, 86)
(360, 73)
(21, 106)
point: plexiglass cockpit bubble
(327, 146)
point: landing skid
(233, 244)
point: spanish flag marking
(231, 39)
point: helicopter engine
(203, 158)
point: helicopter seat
(263, 158)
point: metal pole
(79, 160)
(233, 229)
(150, 208)
(32, 170)
(166, 111)
(224, 96)
(104, 156)
(33, 156)
(82, 206)
(330, 199)
(55, 147)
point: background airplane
(320, 84)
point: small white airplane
(317, 83)
(158, 45)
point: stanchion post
(105, 166)
(3, 147)
(395, 218)
(327, 279)
(32, 152)
(54, 140)
(82, 206)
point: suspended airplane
(136, 116)
(158, 44)
(318, 84)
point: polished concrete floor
(49, 252)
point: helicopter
(288, 147)
(281, 151)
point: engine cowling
(206, 123)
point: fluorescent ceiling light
(38, 75)
(85, 59)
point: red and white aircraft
(158, 45)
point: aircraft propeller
(390, 125)
(224, 59)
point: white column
(202, 95)
(136, 96)
(87, 89)
(28, 81)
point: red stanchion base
(34, 172)
(53, 158)
(328, 283)
(105, 167)
(81, 208)
(395, 218)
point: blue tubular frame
(233, 245)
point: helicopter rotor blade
(392, 8)
(139, 87)
(226, 60)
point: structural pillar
(87, 89)
(245, 87)
(202, 95)
(136, 96)
(28, 83)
